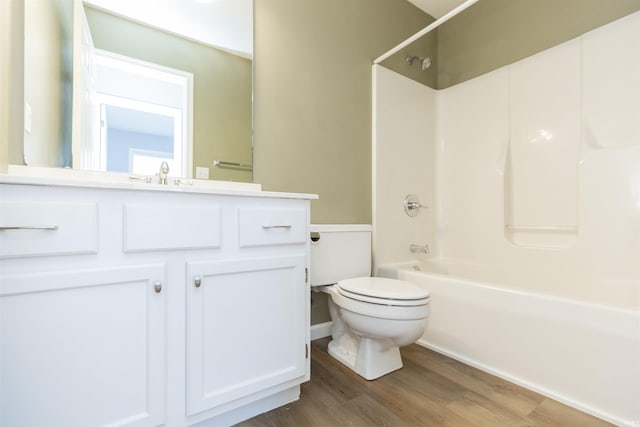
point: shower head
(424, 62)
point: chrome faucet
(422, 249)
(164, 173)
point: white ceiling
(437, 8)
(226, 24)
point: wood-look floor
(431, 390)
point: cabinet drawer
(260, 227)
(46, 228)
(151, 227)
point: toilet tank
(343, 251)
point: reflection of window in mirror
(146, 162)
(143, 109)
(133, 131)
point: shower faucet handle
(412, 205)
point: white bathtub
(582, 354)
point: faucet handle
(146, 179)
(164, 172)
(179, 181)
(412, 205)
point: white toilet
(371, 316)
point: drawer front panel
(261, 227)
(47, 228)
(152, 227)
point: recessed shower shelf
(542, 236)
(543, 228)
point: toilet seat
(383, 291)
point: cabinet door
(245, 328)
(83, 347)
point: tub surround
(531, 177)
(404, 116)
(161, 293)
(568, 210)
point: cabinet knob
(157, 286)
(197, 281)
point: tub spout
(419, 249)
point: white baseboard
(321, 330)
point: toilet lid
(381, 290)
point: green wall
(494, 33)
(313, 96)
(312, 112)
(222, 87)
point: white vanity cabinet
(253, 306)
(236, 344)
(134, 307)
(83, 347)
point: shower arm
(435, 24)
(424, 62)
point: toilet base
(367, 357)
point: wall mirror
(129, 84)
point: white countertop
(22, 175)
